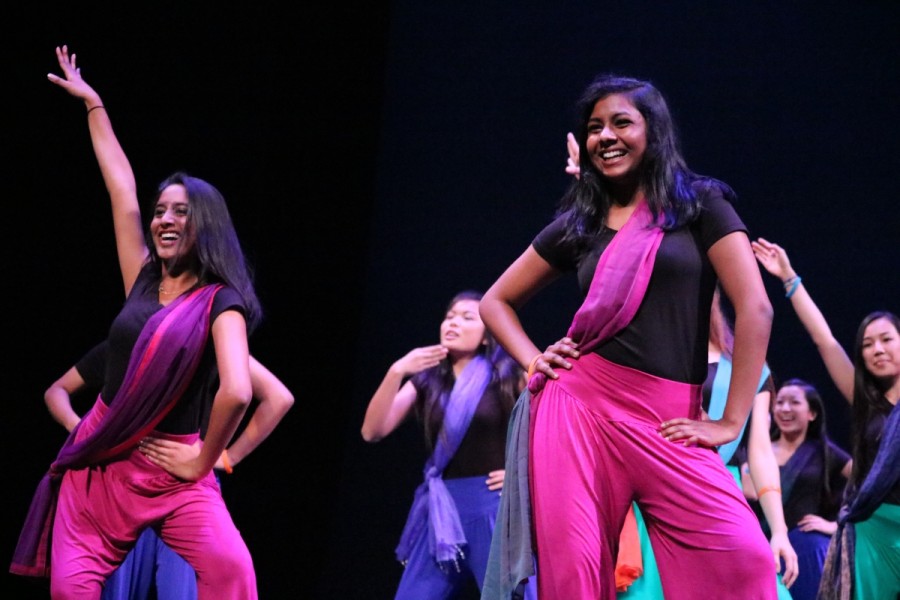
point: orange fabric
(629, 564)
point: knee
(229, 564)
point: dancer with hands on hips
(647, 239)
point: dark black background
(379, 158)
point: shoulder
(838, 453)
(227, 298)
(718, 216)
(555, 244)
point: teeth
(613, 154)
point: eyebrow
(613, 116)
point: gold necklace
(164, 292)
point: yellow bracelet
(767, 488)
(532, 364)
(226, 462)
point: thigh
(877, 561)
(200, 529)
(579, 495)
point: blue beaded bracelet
(794, 285)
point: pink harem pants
(103, 509)
(595, 447)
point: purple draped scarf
(433, 506)
(162, 364)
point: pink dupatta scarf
(618, 286)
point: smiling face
(170, 227)
(791, 410)
(462, 331)
(881, 349)
(616, 138)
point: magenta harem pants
(103, 509)
(595, 447)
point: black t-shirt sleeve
(92, 366)
(226, 299)
(718, 218)
(548, 244)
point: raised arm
(274, 402)
(775, 260)
(393, 399)
(114, 166)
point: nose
(607, 134)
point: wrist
(790, 285)
(227, 462)
(533, 364)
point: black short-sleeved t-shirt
(190, 414)
(668, 335)
(807, 494)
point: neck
(793, 439)
(893, 393)
(460, 363)
(175, 285)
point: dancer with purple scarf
(613, 410)
(189, 307)
(462, 391)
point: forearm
(767, 479)
(227, 412)
(114, 165)
(60, 407)
(770, 502)
(380, 420)
(261, 424)
(837, 363)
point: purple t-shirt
(669, 334)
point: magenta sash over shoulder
(618, 286)
(162, 365)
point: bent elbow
(239, 396)
(370, 435)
